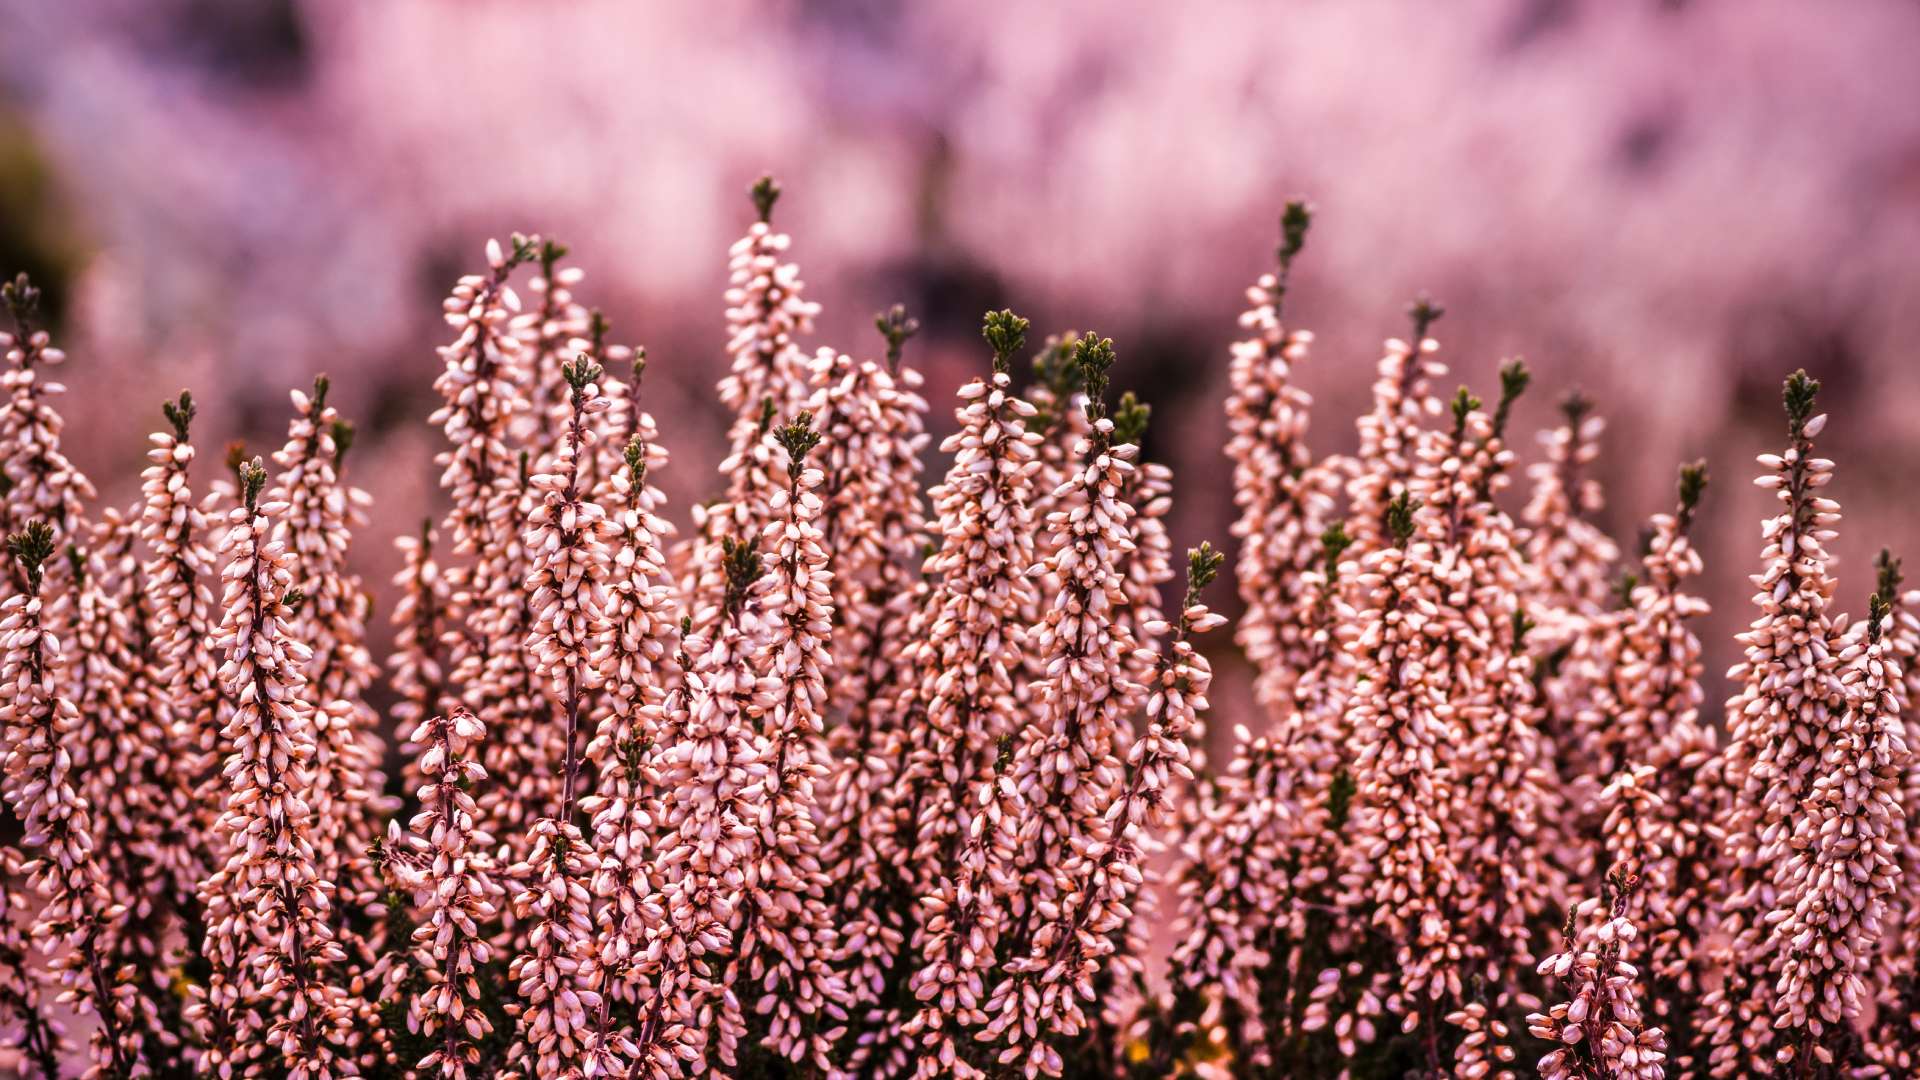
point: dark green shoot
(1514, 378)
(1400, 518)
(1334, 543)
(1130, 418)
(765, 192)
(1887, 575)
(798, 439)
(896, 326)
(1798, 394)
(32, 546)
(180, 414)
(1877, 608)
(636, 459)
(1294, 221)
(253, 478)
(1464, 406)
(1693, 482)
(22, 298)
(740, 560)
(580, 371)
(1093, 358)
(1006, 334)
(1424, 313)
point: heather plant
(869, 781)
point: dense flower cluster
(863, 781)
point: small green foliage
(77, 562)
(1093, 358)
(1693, 481)
(896, 326)
(551, 252)
(1523, 625)
(1464, 405)
(639, 367)
(321, 384)
(580, 372)
(1006, 334)
(521, 249)
(1424, 313)
(22, 298)
(1400, 518)
(1886, 570)
(597, 327)
(766, 414)
(740, 560)
(1798, 394)
(1340, 793)
(765, 192)
(294, 600)
(1003, 754)
(1623, 590)
(343, 433)
(1877, 608)
(1575, 406)
(798, 439)
(1334, 543)
(33, 546)
(1203, 565)
(636, 459)
(1514, 378)
(525, 469)
(686, 625)
(1294, 222)
(253, 477)
(1130, 419)
(426, 537)
(1054, 370)
(180, 414)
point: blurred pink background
(1669, 205)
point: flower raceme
(860, 780)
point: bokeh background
(1666, 204)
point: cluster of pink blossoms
(868, 781)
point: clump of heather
(896, 766)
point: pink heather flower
(123, 757)
(1843, 866)
(26, 1032)
(176, 583)
(1405, 876)
(782, 928)
(418, 660)
(1390, 433)
(1104, 872)
(489, 487)
(563, 1019)
(965, 657)
(40, 723)
(268, 910)
(566, 540)
(552, 331)
(1598, 1031)
(42, 484)
(767, 378)
(1789, 686)
(715, 766)
(1284, 500)
(1065, 763)
(316, 529)
(634, 667)
(453, 888)
(871, 419)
